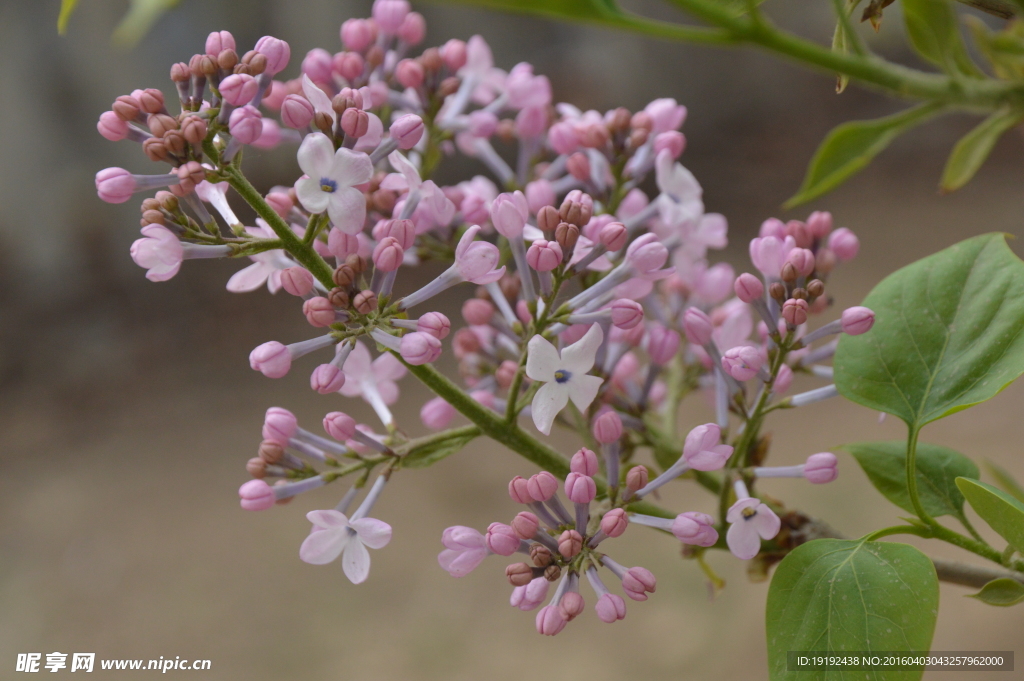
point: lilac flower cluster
(594, 307)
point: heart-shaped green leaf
(833, 596)
(850, 147)
(948, 334)
(937, 470)
(1003, 592)
(1003, 513)
(1005, 481)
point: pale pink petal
(311, 196)
(327, 518)
(249, 278)
(549, 400)
(743, 540)
(461, 563)
(320, 101)
(387, 368)
(395, 182)
(316, 155)
(374, 533)
(350, 168)
(388, 391)
(356, 561)
(347, 208)
(583, 389)
(400, 163)
(579, 357)
(374, 133)
(542, 360)
(357, 365)
(323, 546)
(735, 513)
(766, 522)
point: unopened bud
(256, 467)
(816, 288)
(567, 234)
(789, 273)
(552, 573)
(541, 556)
(344, 276)
(271, 452)
(778, 292)
(570, 543)
(338, 297)
(548, 219)
(356, 262)
(636, 478)
(519, 574)
(365, 302)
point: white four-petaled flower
(564, 376)
(334, 535)
(332, 178)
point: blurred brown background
(127, 409)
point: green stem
(302, 252)
(911, 471)
(898, 529)
(460, 433)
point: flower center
(749, 513)
(561, 376)
(328, 185)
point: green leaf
(850, 147)
(948, 334)
(974, 147)
(139, 18)
(1003, 513)
(832, 595)
(432, 452)
(841, 40)
(1003, 592)
(934, 32)
(737, 7)
(67, 7)
(937, 470)
(1005, 480)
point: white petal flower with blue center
(334, 535)
(564, 376)
(331, 180)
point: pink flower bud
(317, 65)
(636, 478)
(246, 124)
(506, 373)
(342, 245)
(607, 428)
(697, 529)
(115, 185)
(436, 414)
(748, 288)
(388, 254)
(783, 380)
(539, 193)
(454, 55)
(435, 324)
(355, 122)
(544, 256)
(613, 236)
(502, 539)
(509, 213)
(570, 543)
(327, 379)
(802, 260)
(742, 362)
(773, 227)
(482, 124)
(519, 490)
(389, 14)
(358, 34)
(580, 488)
(297, 281)
(349, 65)
(477, 312)
(563, 138)
(409, 73)
(615, 522)
(256, 495)
(673, 141)
(703, 450)
(821, 468)
(238, 89)
(419, 348)
(340, 426)
(801, 234)
(525, 525)
(407, 131)
(272, 359)
(769, 254)
(626, 313)
(584, 462)
(296, 112)
(280, 202)
(279, 425)
(550, 620)
(665, 114)
(698, 326)
(820, 224)
(795, 311)
(578, 166)
(844, 244)
(413, 29)
(218, 41)
(857, 320)
(610, 608)
(274, 95)
(403, 231)
(112, 127)
(542, 486)
(662, 344)
(319, 312)
(638, 582)
(572, 605)
(277, 52)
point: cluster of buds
(587, 290)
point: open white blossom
(564, 376)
